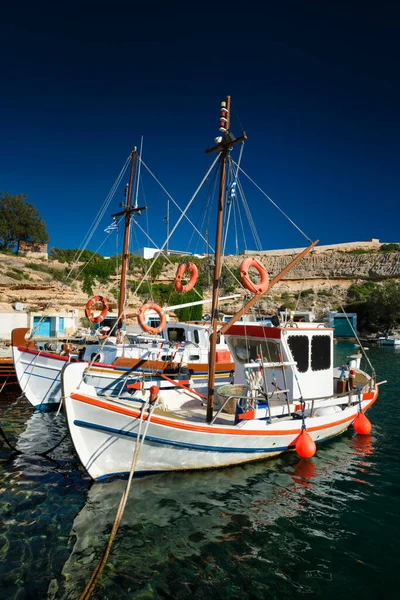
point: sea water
(281, 528)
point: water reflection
(264, 530)
(172, 518)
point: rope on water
(90, 586)
(14, 449)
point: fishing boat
(113, 366)
(173, 348)
(389, 340)
(286, 394)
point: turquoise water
(283, 528)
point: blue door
(61, 326)
(44, 329)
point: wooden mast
(127, 212)
(223, 145)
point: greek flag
(232, 190)
(112, 227)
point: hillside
(38, 283)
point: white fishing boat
(286, 394)
(113, 366)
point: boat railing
(269, 365)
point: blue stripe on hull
(121, 432)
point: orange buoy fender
(259, 288)
(102, 315)
(181, 270)
(362, 425)
(158, 310)
(305, 445)
(154, 390)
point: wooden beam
(273, 281)
(223, 145)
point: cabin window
(176, 334)
(153, 322)
(248, 350)
(196, 336)
(299, 347)
(320, 352)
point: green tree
(383, 306)
(19, 220)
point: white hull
(39, 376)
(104, 433)
(390, 342)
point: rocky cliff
(319, 281)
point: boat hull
(105, 432)
(39, 375)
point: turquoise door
(61, 326)
(44, 329)
(342, 327)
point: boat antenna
(223, 144)
(127, 212)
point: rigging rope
(98, 217)
(353, 330)
(180, 218)
(176, 204)
(274, 203)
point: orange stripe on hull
(218, 429)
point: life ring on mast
(102, 315)
(158, 310)
(181, 270)
(259, 288)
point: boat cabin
(297, 358)
(178, 341)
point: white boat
(117, 365)
(286, 394)
(390, 340)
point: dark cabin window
(176, 334)
(299, 346)
(196, 336)
(248, 350)
(320, 352)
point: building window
(320, 352)
(299, 347)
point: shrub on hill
(390, 248)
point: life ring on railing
(158, 310)
(194, 273)
(102, 315)
(259, 288)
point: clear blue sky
(314, 84)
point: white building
(152, 252)
(55, 325)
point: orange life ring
(246, 281)
(102, 315)
(159, 311)
(188, 266)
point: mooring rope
(90, 586)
